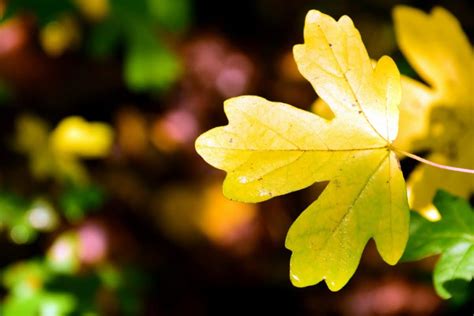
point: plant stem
(434, 164)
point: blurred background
(105, 207)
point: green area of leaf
(452, 237)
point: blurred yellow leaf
(60, 35)
(32, 133)
(414, 122)
(57, 154)
(77, 137)
(438, 118)
(94, 10)
(32, 139)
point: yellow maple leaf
(439, 117)
(271, 148)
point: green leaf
(452, 237)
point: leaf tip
(313, 16)
(335, 286)
(392, 256)
(346, 20)
(441, 12)
(402, 12)
(295, 280)
(392, 259)
(201, 141)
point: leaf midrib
(454, 273)
(294, 150)
(343, 74)
(356, 198)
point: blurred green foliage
(14, 218)
(171, 14)
(139, 27)
(149, 64)
(37, 288)
(24, 219)
(27, 295)
(45, 10)
(77, 200)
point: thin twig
(434, 164)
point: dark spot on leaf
(330, 45)
(260, 179)
(360, 112)
(231, 140)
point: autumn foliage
(269, 149)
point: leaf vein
(351, 207)
(346, 79)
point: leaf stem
(431, 163)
